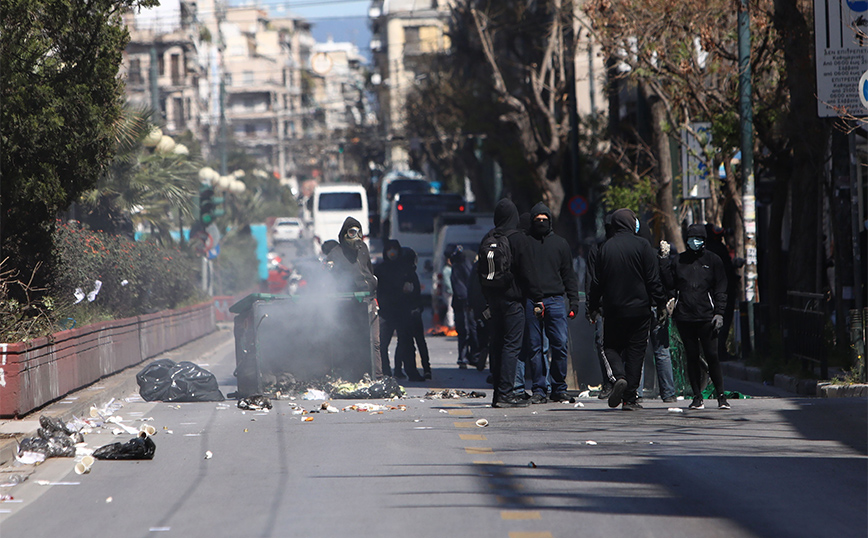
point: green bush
(137, 277)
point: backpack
(495, 260)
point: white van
(332, 204)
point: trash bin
(306, 336)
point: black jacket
(461, 272)
(391, 275)
(525, 284)
(699, 282)
(626, 273)
(553, 260)
(351, 266)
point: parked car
(286, 229)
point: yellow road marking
(472, 437)
(467, 424)
(519, 514)
(460, 412)
(478, 450)
(544, 534)
(494, 462)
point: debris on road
(141, 447)
(450, 394)
(168, 381)
(675, 410)
(208, 454)
(314, 394)
(482, 423)
(255, 402)
(589, 442)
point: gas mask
(695, 243)
(541, 227)
(353, 237)
(392, 255)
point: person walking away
(460, 279)
(508, 277)
(626, 283)
(594, 317)
(417, 330)
(350, 265)
(699, 280)
(556, 279)
(395, 308)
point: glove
(662, 314)
(670, 306)
(664, 249)
(539, 310)
(717, 323)
(592, 316)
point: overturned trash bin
(305, 336)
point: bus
(412, 218)
(332, 204)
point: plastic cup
(148, 429)
(84, 466)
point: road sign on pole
(841, 58)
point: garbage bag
(255, 402)
(387, 387)
(138, 448)
(52, 427)
(53, 447)
(168, 381)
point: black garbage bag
(255, 402)
(168, 381)
(53, 447)
(387, 387)
(138, 448)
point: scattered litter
(192, 435)
(366, 389)
(417, 420)
(255, 402)
(108, 499)
(4, 498)
(314, 394)
(589, 442)
(147, 429)
(579, 404)
(146, 419)
(159, 529)
(29, 458)
(84, 466)
(51, 443)
(675, 410)
(585, 394)
(168, 381)
(532, 465)
(307, 419)
(12, 480)
(423, 428)
(450, 394)
(332, 409)
(208, 455)
(141, 447)
(47, 483)
(170, 432)
(482, 423)
(444, 411)
(118, 421)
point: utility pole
(155, 83)
(749, 191)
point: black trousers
(625, 341)
(507, 335)
(404, 356)
(696, 335)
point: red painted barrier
(42, 370)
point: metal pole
(155, 83)
(748, 193)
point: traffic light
(209, 205)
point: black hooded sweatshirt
(391, 275)
(699, 281)
(461, 272)
(553, 260)
(352, 265)
(626, 276)
(525, 284)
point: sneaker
(538, 398)
(617, 392)
(722, 403)
(510, 401)
(605, 391)
(399, 375)
(631, 406)
(522, 394)
(428, 374)
(563, 397)
(462, 365)
(670, 399)
(697, 403)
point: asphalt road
(771, 467)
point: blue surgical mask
(637, 225)
(695, 243)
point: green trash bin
(305, 336)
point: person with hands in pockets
(698, 279)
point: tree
(61, 100)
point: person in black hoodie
(699, 280)
(714, 242)
(350, 265)
(417, 330)
(506, 302)
(626, 282)
(395, 306)
(594, 317)
(556, 279)
(460, 280)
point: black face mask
(541, 227)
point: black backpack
(495, 260)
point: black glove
(592, 316)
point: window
(134, 75)
(340, 201)
(248, 77)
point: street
(788, 467)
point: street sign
(841, 57)
(863, 90)
(578, 206)
(695, 174)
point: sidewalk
(117, 386)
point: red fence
(42, 370)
